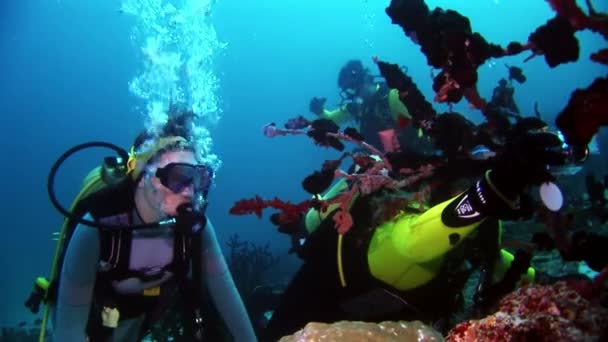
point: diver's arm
(438, 230)
(77, 281)
(218, 279)
(426, 236)
(340, 115)
(497, 194)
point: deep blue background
(65, 66)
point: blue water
(66, 64)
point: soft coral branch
(600, 56)
(570, 10)
(595, 21)
(375, 176)
(256, 205)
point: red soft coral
(289, 211)
(596, 22)
(570, 10)
(375, 177)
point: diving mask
(566, 160)
(572, 158)
(179, 176)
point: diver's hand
(527, 160)
(316, 105)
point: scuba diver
(404, 260)
(502, 97)
(130, 247)
(502, 109)
(375, 107)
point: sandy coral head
(363, 331)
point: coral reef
(249, 264)
(447, 39)
(368, 332)
(538, 313)
(19, 334)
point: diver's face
(164, 199)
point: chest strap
(115, 247)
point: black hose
(68, 214)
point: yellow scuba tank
(112, 172)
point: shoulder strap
(115, 246)
(186, 248)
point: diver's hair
(179, 124)
(178, 146)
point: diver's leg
(312, 295)
(128, 330)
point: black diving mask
(572, 158)
(179, 176)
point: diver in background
(501, 110)
(503, 97)
(376, 108)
